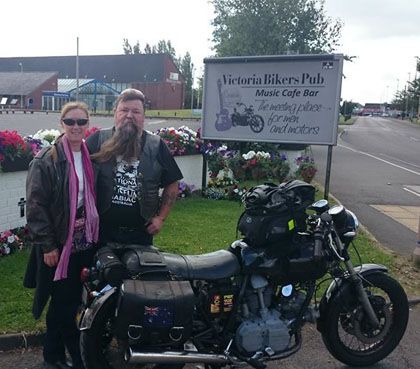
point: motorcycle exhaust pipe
(173, 357)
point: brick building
(155, 74)
(24, 90)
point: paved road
(28, 124)
(376, 173)
(312, 355)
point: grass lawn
(196, 225)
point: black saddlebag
(155, 312)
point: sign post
(290, 99)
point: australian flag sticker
(327, 65)
(160, 316)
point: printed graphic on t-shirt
(126, 182)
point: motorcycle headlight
(354, 219)
(344, 220)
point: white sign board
(282, 99)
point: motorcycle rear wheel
(256, 124)
(98, 346)
(348, 335)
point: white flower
(6, 250)
(11, 239)
(262, 154)
(222, 148)
(249, 155)
(47, 135)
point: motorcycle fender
(339, 284)
(89, 314)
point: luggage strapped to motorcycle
(274, 212)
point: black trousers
(66, 296)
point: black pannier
(155, 312)
(273, 214)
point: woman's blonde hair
(66, 108)
(74, 105)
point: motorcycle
(249, 303)
(247, 118)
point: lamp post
(406, 94)
(21, 96)
(192, 86)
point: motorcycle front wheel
(349, 335)
(98, 346)
(256, 124)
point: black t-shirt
(124, 210)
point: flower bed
(16, 151)
(13, 240)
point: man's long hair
(126, 141)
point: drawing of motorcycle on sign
(247, 118)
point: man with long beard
(133, 165)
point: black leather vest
(149, 179)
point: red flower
(90, 131)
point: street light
(192, 86)
(21, 96)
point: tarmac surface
(313, 353)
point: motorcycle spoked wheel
(99, 348)
(256, 124)
(348, 334)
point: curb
(15, 341)
(20, 340)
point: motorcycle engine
(268, 334)
(264, 327)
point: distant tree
(136, 48)
(407, 100)
(270, 27)
(186, 67)
(128, 49)
(347, 107)
(147, 49)
(166, 48)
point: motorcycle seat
(214, 265)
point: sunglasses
(72, 122)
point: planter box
(191, 168)
(16, 165)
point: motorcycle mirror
(320, 206)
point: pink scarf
(92, 218)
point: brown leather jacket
(47, 199)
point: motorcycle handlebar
(318, 246)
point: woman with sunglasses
(63, 223)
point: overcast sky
(383, 34)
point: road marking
(414, 139)
(401, 161)
(413, 192)
(375, 157)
